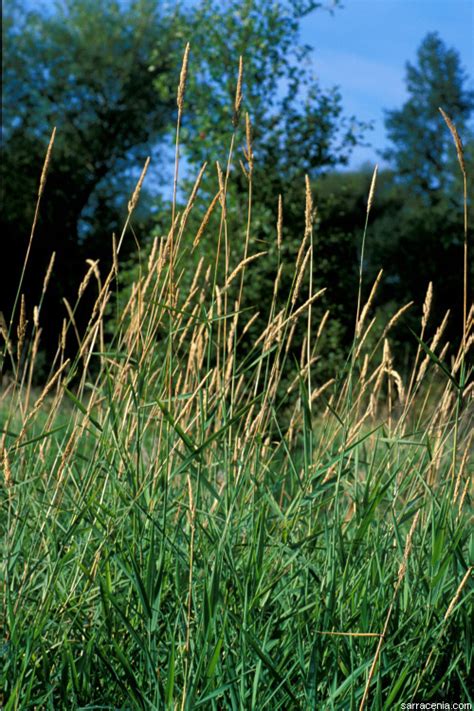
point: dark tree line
(105, 74)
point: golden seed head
(372, 189)
(182, 80)
(427, 305)
(222, 188)
(46, 163)
(136, 192)
(49, 272)
(299, 278)
(7, 472)
(248, 138)
(238, 94)
(279, 222)
(35, 316)
(322, 324)
(457, 140)
(242, 266)
(205, 221)
(396, 317)
(114, 253)
(21, 329)
(309, 207)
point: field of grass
(179, 533)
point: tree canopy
(419, 233)
(105, 73)
(420, 146)
(84, 67)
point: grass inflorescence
(180, 531)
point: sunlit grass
(180, 533)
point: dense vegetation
(111, 96)
(221, 490)
(170, 545)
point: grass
(180, 534)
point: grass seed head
(136, 193)
(280, 222)
(49, 271)
(46, 163)
(372, 189)
(427, 305)
(21, 329)
(456, 139)
(238, 94)
(182, 80)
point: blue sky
(363, 49)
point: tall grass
(171, 543)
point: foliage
(294, 129)
(421, 150)
(419, 236)
(297, 127)
(169, 542)
(84, 67)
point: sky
(363, 48)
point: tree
(297, 129)
(105, 72)
(83, 66)
(421, 147)
(419, 236)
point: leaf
(82, 409)
(437, 361)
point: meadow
(182, 530)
